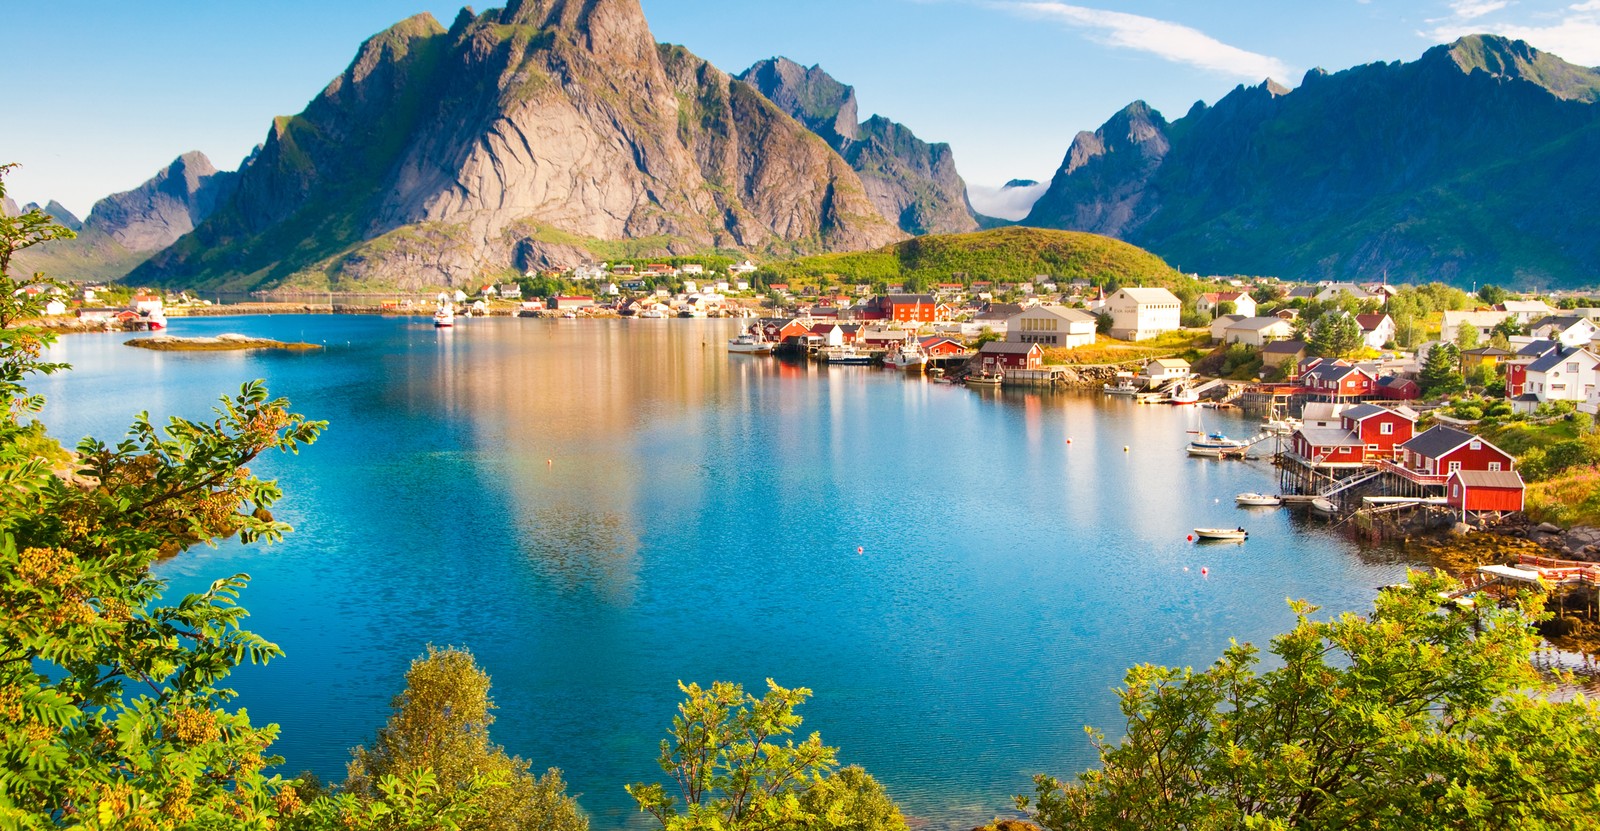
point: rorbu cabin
(1001, 356)
(1482, 491)
(1443, 450)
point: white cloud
(1165, 39)
(1574, 35)
(1473, 9)
(1005, 203)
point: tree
(733, 774)
(1334, 335)
(1441, 371)
(112, 709)
(1509, 328)
(1103, 323)
(1411, 718)
(1493, 294)
(1467, 338)
(1225, 308)
(440, 729)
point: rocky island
(220, 343)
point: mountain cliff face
(58, 212)
(508, 141)
(125, 229)
(1477, 162)
(913, 183)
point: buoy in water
(1190, 538)
(1205, 572)
(860, 550)
(549, 462)
(1124, 448)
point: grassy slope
(999, 254)
(93, 257)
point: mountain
(1477, 162)
(999, 254)
(537, 134)
(914, 184)
(8, 207)
(58, 212)
(125, 229)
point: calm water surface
(599, 509)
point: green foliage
(1016, 254)
(735, 770)
(1441, 374)
(1493, 294)
(113, 712)
(1103, 323)
(1467, 338)
(440, 727)
(1412, 718)
(1508, 329)
(1225, 308)
(1334, 336)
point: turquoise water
(599, 509)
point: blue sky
(102, 94)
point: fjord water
(599, 509)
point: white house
(693, 268)
(1377, 330)
(1259, 331)
(1243, 303)
(1142, 313)
(1161, 370)
(1334, 290)
(1219, 327)
(55, 307)
(745, 267)
(1562, 375)
(1484, 322)
(1569, 330)
(1526, 311)
(1051, 326)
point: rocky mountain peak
(169, 205)
(1509, 59)
(57, 211)
(810, 95)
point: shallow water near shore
(601, 508)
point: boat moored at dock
(1222, 534)
(1257, 500)
(1216, 445)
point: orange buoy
(549, 462)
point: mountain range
(1479, 162)
(549, 133)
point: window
(1572, 366)
(1494, 467)
(1386, 429)
(1476, 444)
(1454, 466)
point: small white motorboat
(1324, 506)
(1233, 534)
(1125, 385)
(986, 380)
(1216, 445)
(1257, 500)
(749, 344)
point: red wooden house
(999, 355)
(1379, 429)
(938, 346)
(1398, 388)
(1481, 491)
(781, 329)
(913, 308)
(1444, 450)
(1328, 447)
(1338, 379)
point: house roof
(1071, 315)
(1539, 348)
(1259, 324)
(1479, 319)
(1370, 323)
(1149, 295)
(1439, 440)
(1322, 411)
(1307, 292)
(1224, 296)
(1170, 363)
(1005, 309)
(1000, 347)
(910, 300)
(1284, 347)
(1525, 306)
(1487, 352)
(1330, 437)
(1563, 322)
(1362, 412)
(1395, 381)
(1502, 479)
(1556, 358)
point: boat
(653, 313)
(445, 316)
(1151, 398)
(1324, 506)
(908, 357)
(1235, 534)
(1187, 395)
(846, 355)
(936, 373)
(748, 344)
(569, 316)
(1216, 445)
(985, 379)
(155, 322)
(1277, 426)
(1257, 500)
(1124, 386)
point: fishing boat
(445, 316)
(1236, 534)
(846, 356)
(748, 344)
(908, 357)
(1216, 445)
(653, 313)
(985, 379)
(1187, 395)
(1125, 385)
(1258, 500)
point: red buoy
(1205, 572)
(1190, 538)
(860, 550)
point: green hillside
(999, 254)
